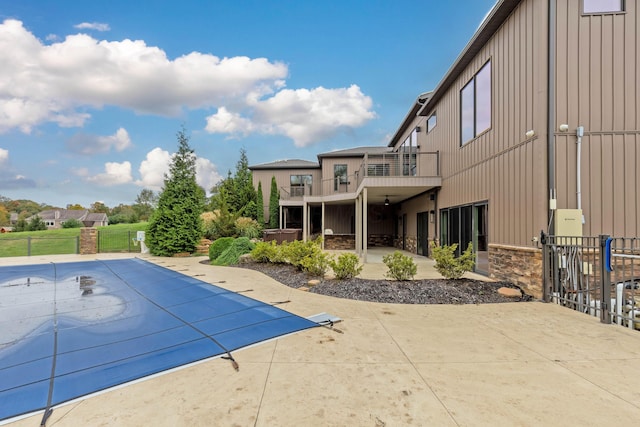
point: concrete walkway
(521, 364)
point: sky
(92, 94)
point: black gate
(599, 276)
(118, 241)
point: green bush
(346, 266)
(448, 265)
(219, 246)
(316, 263)
(231, 255)
(296, 251)
(72, 223)
(401, 267)
(267, 252)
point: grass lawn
(114, 238)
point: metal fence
(118, 241)
(28, 246)
(599, 276)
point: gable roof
(286, 164)
(62, 214)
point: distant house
(54, 218)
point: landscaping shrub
(316, 263)
(72, 223)
(231, 255)
(296, 251)
(401, 267)
(346, 266)
(247, 227)
(267, 252)
(219, 246)
(448, 265)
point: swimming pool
(72, 329)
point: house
(536, 125)
(54, 218)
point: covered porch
(364, 218)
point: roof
(95, 217)
(62, 214)
(408, 119)
(286, 164)
(355, 152)
(494, 20)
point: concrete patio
(525, 364)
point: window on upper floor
(475, 105)
(409, 151)
(339, 176)
(299, 183)
(431, 122)
(590, 7)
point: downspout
(579, 134)
(551, 113)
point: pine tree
(260, 205)
(175, 225)
(274, 204)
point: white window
(602, 6)
(431, 122)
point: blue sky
(92, 94)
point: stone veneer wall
(410, 244)
(88, 241)
(521, 266)
(339, 241)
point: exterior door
(423, 233)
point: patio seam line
(266, 382)
(417, 371)
(611, 393)
(567, 368)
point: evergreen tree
(243, 197)
(274, 204)
(176, 226)
(260, 205)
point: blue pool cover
(71, 329)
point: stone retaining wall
(521, 266)
(340, 241)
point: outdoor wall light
(386, 201)
(564, 127)
(530, 133)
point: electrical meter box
(569, 222)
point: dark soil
(437, 291)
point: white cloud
(98, 26)
(95, 144)
(55, 83)
(206, 174)
(114, 174)
(156, 165)
(305, 116)
(4, 156)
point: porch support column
(365, 231)
(305, 219)
(357, 239)
(281, 222)
(322, 225)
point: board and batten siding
(598, 87)
(283, 180)
(502, 166)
